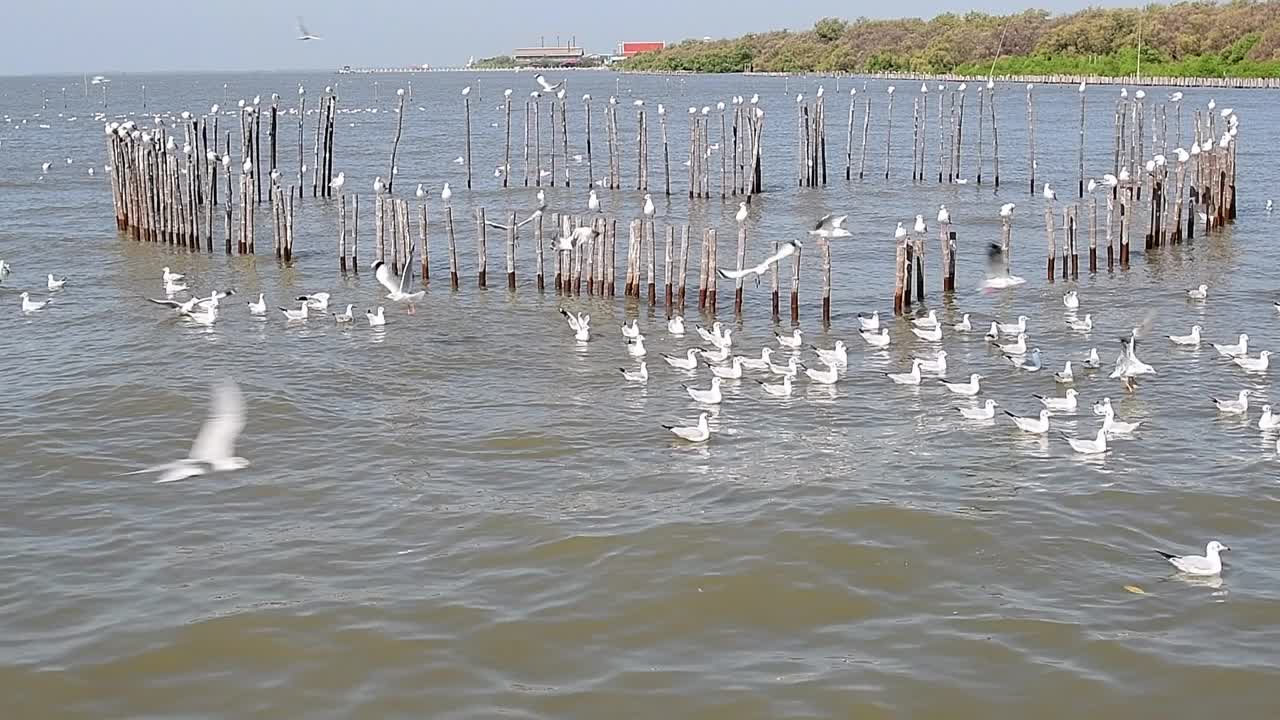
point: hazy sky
(75, 36)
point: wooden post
(995, 135)
(453, 247)
(666, 149)
(742, 259)
(1031, 147)
(342, 232)
(591, 171)
(395, 144)
(795, 287)
(511, 251)
(862, 161)
(424, 250)
(702, 270)
(652, 265)
(1050, 240)
(712, 276)
(506, 153)
(907, 271)
(848, 153)
(960, 130)
(355, 233)
(982, 107)
(888, 143)
(1071, 242)
(1111, 241)
(684, 262)
(539, 242)
(466, 107)
(900, 277)
(667, 258)
(1006, 240)
(918, 241)
(1081, 156)
(774, 283)
(1093, 234)
(826, 281)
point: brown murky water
(467, 515)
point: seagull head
(1215, 547)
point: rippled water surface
(467, 515)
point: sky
(90, 36)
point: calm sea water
(468, 516)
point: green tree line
(1191, 39)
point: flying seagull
(787, 249)
(214, 447)
(831, 227)
(395, 289)
(303, 34)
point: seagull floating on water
(929, 322)
(55, 283)
(907, 378)
(690, 362)
(316, 301)
(964, 325)
(376, 319)
(1034, 426)
(632, 330)
(791, 341)
(1199, 293)
(712, 396)
(1258, 364)
(986, 411)
(1269, 420)
(779, 390)
(1066, 377)
(675, 326)
(822, 377)
(1207, 565)
(876, 339)
(696, 433)
(1239, 406)
(344, 317)
(638, 376)
(1192, 340)
(968, 389)
(259, 307)
(1240, 349)
(871, 322)
(834, 357)
(296, 315)
(1067, 404)
(1071, 300)
(1097, 446)
(580, 325)
(30, 306)
(733, 372)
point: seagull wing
(217, 438)
(384, 276)
(824, 223)
(785, 251)
(167, 303)
(408, 268)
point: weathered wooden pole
(862, 161)
(703, 266)
(982, 107)
(424, 249)
(511, 251)
(1031, 142)
(900, 276)
(539, 241)
(666, 150)
(651, 264)
(826, 281)
(684, 263)
(591, 170)
(506, 153)
(1081, 156)
(742, 259)
(667, 258)
(466, 109)
(1050, 240)
(453, 247)
(795, 286)
(995, 134)
(395, 144)
(848, 152)
(888, 141)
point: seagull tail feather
(1165, 555)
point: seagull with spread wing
(214, 446)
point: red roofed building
(631, 49)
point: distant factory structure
(633, 48)
(571, 55)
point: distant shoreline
(1057, 79)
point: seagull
(964, 325)
(395, 291)
(899, 232)
(994, 332)
(420, 192)
(55, 283)
(344, 317)
(1192, 340)
(1093, 185)
(675, 326)
(831, 227)
(214, 446)
(1207, 565)
(1269, 421)
(876, 339)
(733, 372)
(593, 201)
(789, 370)
(934, 335)
(761, 363)
(1034, 426)
(1239, 406)
(1085, 325)
(1006, 210)
(1240, 349)
(640, 376)
(690, 362)
(872, 322)
(170, 277)
(635, 347)
(546, 86)
(1067, 404)
(30, 306)
(837, 356)
(632, 330)
(943, 216)
(789, 341)
(317, 301)
(968, 389)
(1018, 347)
(1066, 377)
(1071, 300)
(580, 235)
(1030, 364)
(339, 181)
(927, 323)
(580, 325)
(785, 250)
(1093, 362)
(720, 355)
(822, 377)
(907, 378)
(986, 411)
(376, 319)
(202, 317)
(303, 34)
(937, 366)
(1017, 328)
(706, 397)
(1175, 96)
(1112, 426)
(259, 307)
(1097, 446)
(649, 209)
(696, 433)
(783, 390)
(1199, 293)
(171, 288)
(446, 193)
(713, 335)
(1049, 193)
(1258, 364)
(741, 215)
(378, 185)
(299, 314)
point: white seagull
(303, 35)
(968, 389)
(1066, 377)
(1258, 364)
(1097, 446)
(927, 323)
(56, 283)
(675, 326)
(871, 322)
(789, 341)
(876, 339)
(1071, 300)
(580, 325)
(986, 411)
(907, 378)
(1239, 406)
(741, 215)
(1207, 565)
(395, 289)
(760, 363)
(1269, 420)
(30, 306)
(376, 319)
(1085, 325)
(733, 372)
(690, 362)
(316, 301)
(964, 325)
(696, 433)
(214, 446)
(782, 390)
(632, 330)
(639, 376)
(259, 307)
(706, 397)
(1198, 293)
(293, 315)
(831, 227)
(344, 317)
(822, 377)
(1035, 426)
(1240, 349)
(1065, 405)
(785, 250)
(1192, 340)
(934, 335)
(837, 356)
(446, 193)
